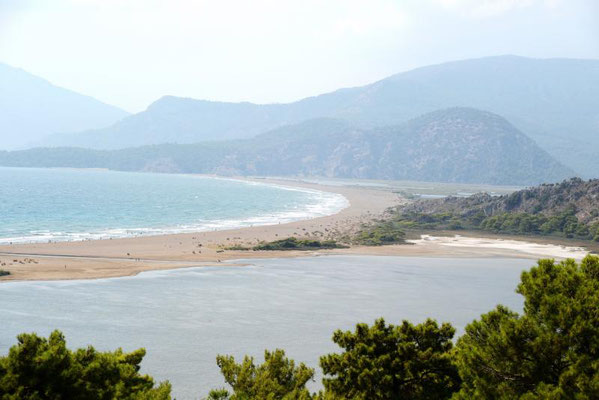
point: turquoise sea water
(185, 317)
(61, 204)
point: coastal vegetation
(378, 233)
(549, 351)
(292, 243)
(564, 224)
(4, 272)
(569, 209)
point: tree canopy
(38, 368)
(278, 378)
(549, 352)
(392, 362)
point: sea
(41, 205)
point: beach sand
(129, 256)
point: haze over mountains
(451, 145)
(31, 108)
(502, 120)
(553, 101)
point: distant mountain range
(553, 101)
(32, 108)
(451, 145)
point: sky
(130, 53)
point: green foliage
(40, 368)
(4, 272)
(379, 233)
(392, 362)
(237, 247)
(563, 224)
(550, 352)
(218, 394)
(278, 378)
(567, 209)
(594, 231)
(292, 243)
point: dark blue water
(185, 317)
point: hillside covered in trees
(451, 145)
(568, 209)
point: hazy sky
(131, 52)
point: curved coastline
(93, 259)
(322, 203)
(90, 259)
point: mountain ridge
(32, 108)
(552, 100)
(451, 145)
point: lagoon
(185, 317)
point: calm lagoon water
(185, 317)
(62, 204)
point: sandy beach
(129, 256)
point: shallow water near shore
(185, 317)
(40, 205)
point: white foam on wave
(320, 204)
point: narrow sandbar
(129, 256)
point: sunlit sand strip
(537, 249)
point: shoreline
(330, 203)
(90, 259)
(109, 258)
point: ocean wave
(319, 204)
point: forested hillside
(569, 209)
(453, 145)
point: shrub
(292, 243)
(379, 234)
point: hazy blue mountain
(451, 145)
(554, 101)
(32, 108)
